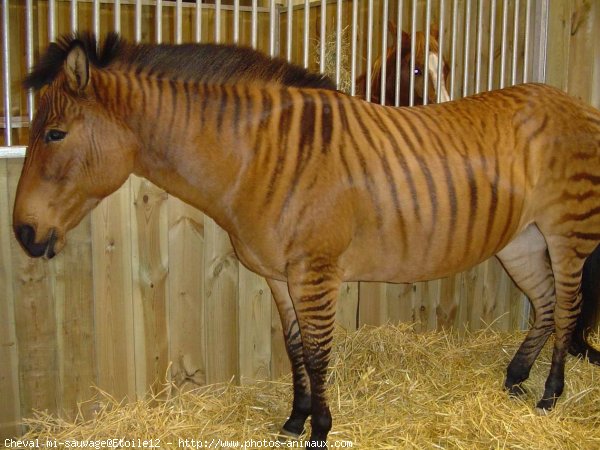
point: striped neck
(194, 138)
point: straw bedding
(389, 388)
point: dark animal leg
(301, 407)
(567, 266)
(314, 287)
(590, 291)
(527, 262)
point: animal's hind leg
(301, 405)
(527, 262)
(567, 265)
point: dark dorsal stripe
(207, 63)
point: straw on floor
(389, 388)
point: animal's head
(422, 64)
(78, 152)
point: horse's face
(77, 155)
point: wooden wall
(148, 287)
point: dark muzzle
(26, 236)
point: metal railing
(521, 37)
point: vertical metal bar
(491, 50)
(478, 55)
(526, 44)
(384, 33)
(541, 41)
(51, 20)
(369, 50)
(504, 42)
(440, 73)
(254, 23)
(515, 54)
(29, 54)
(427, 38)
(353, 46)
(138, 20)
(96, 17)
(338, 44)
(272, 11)
(290, 18)
(117, 16)
(158, 23)
(178, 22)
(453, 47)
(398, 52)
(466, 55)
(6, 74)
(198, 35)
(236, 21)
(306, 30)
(323, 37)
(73, 15)
(217, 21)
(272, 26)
(413, 40)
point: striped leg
(314, 287)
(567, 266)
(294, 426)
(526, 261)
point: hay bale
(330, 57)
(389, 387)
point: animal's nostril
(26, 235)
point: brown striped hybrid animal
(315, 187)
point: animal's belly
(419, 255)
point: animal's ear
(392, 28)
(434, 30)
(77, 68)
(406, 43)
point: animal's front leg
(294, 426)
(314, 285)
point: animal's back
(450, 185)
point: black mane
(207, 63)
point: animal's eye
(54, 135)
(418, 71)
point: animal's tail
(590, 303)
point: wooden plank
(149, 256)
(280, 363)
(347, 307)
(35, 321)
(73, 290)
(372, 304)
(557, 53)
(221, 300)
(426, 303)
(581, 50)
(186, 294)
(447, 310)
(113, 307)
(10, 412)
(495, 308)
(401, 302)
(254, 327)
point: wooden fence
(148, 287)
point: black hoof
(293, 427)
(546, 405)
(285, 435)
(515, 390)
